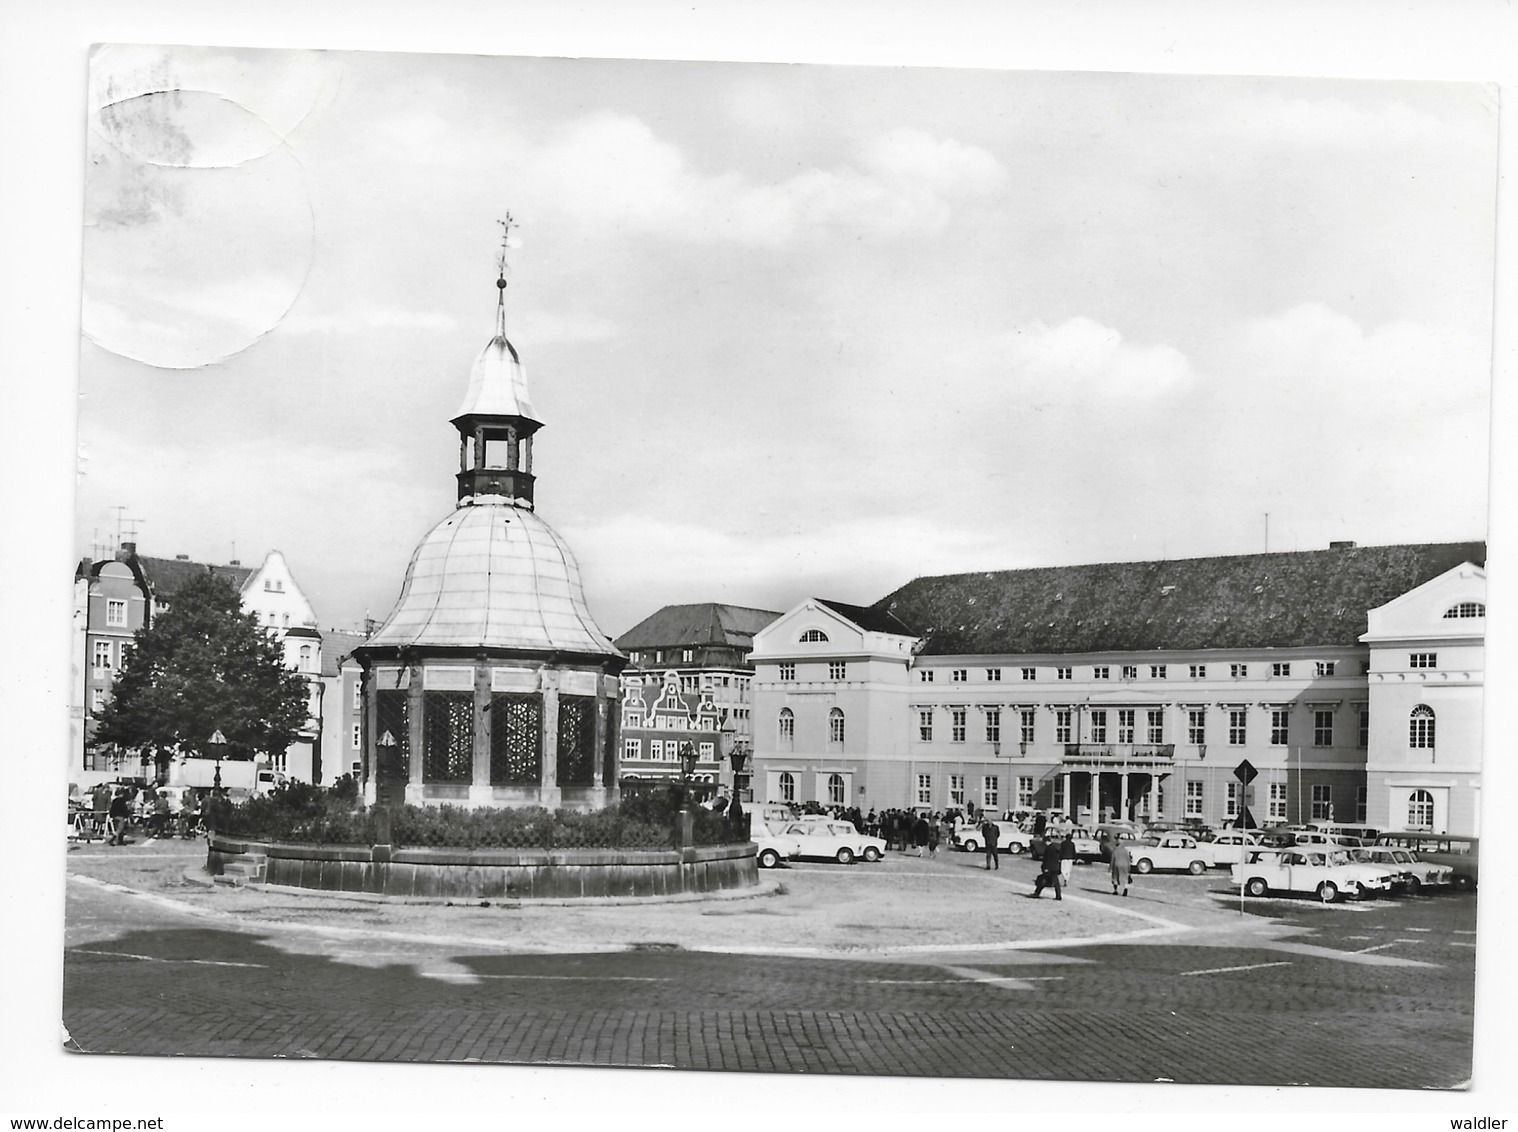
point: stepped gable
(703, 623)
(1278, 600)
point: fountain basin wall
(485, 874)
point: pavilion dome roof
(493, 576)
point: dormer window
(1465, 610)
(813, 636)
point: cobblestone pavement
(1173, 984)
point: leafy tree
(203, 666)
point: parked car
(770, 849)
(1226, 847)
(1460, 853)
(834, 841)
(1010, 838)
(1325, 874)
(1168, 851)
(1410, 874)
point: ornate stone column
(480, 792)
(416, 727)
(549, 795)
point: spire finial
(507, 241)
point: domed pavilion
(490, 683)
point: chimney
(235, 562)
(181, 558)
(1345, 544)
(127, 552)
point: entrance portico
(1106, 782)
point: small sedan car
(1226, 847)
(834, 841)
(1408, 873)
(1010, 839)
(772, 848)
(1326, 875)
(1168, 851)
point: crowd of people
(115, 810)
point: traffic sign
(1245, 772)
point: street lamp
(217, 743)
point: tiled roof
(1283, 600)
(166, 575)
(872, 619)
(337, 646)
(706, 623)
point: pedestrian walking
(120, 815)
(1122, 863)
(946, 832)
(921, 833)
(1066, 859)
(1049, 875)
(991, 832)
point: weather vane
(507, 241)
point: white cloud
(366, 318)
(1082, 352)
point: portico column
(1122, 794)
(480, 792)
(1068, 779)
(416, 737)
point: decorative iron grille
(577, 740)
(390, 715)
(516, 740)
(449, 722)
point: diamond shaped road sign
(1245, 772)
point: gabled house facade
(663, 722)
(1425, 694)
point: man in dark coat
(1050, 873)
(992, 834)
(120, 816)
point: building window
(1156, 726)
(1322, 728)
(1196, 726)
(1420, 810)
(1125, 725)
(1420, 728)
(1057, 794)
(305, 656)
(707, 752)
(1279, 719)
(97, 699)
(632, 718)
(1280, 668)
(1193, 799)
(1025, 791)
(957, 789)
(1322, 802)
(813, 636)
(1364, 739)
(925, 724)
(993, 725)
(358, 736)
(632, 748)
(115, 612)
(1323, 667)
(1062, 725)
(1231, 802)
(787, 726)
(1100, 672)
(835, 726)
(788, 671)
(1466, 609)
(1030, 673)
(924, 789)
(1237, 726)
(990, 791)
(838, 670)
(1199, 672)
(1238, 671)
(993, 675)
(687, 655)
(1027, 716)
(1423, 660)
(835, 790)
(1099, 726)
(1064, 673)
(1361, 799)
(358, 696)
(787, 786)
(1277, 801)
(102, 655)
(1158, 671)
(1130, 672)
(925, 675)
(957, 725)
(656, 749)
(960, 675)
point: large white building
(1141, 688)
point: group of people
(115, 808)
(1059, 860)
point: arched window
(1420, 810)
(787, 725)
(1420, 728)
(787, 786)
(812, 636)
(305, 656)
(835, 790)
(1466, 609)
(835, 726)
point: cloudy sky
(792, 329)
